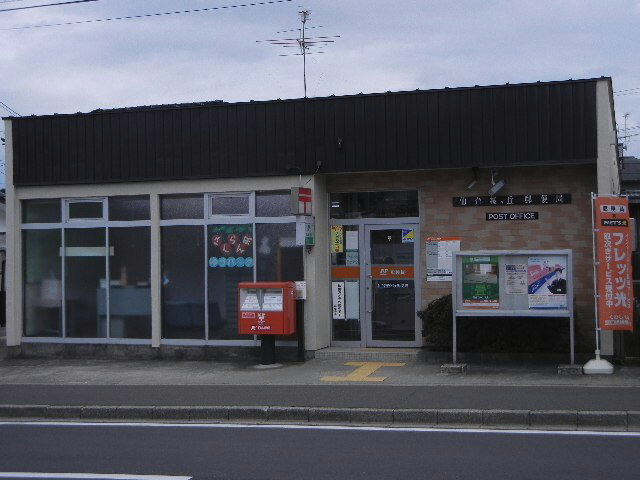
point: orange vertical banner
(615, 286)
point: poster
(615, 286)
(516, 279)
(440, 257)
(337, 239)
(351, 240)
(337, 300)
(408, 236)
(230, 246)
(480, 287)
(351, 259)
(547, 282)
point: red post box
(266, 308)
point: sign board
(492, 216)
(440, 257)
(513, 283)
(500, 200)
(613, 266)
(337, 300)
(305, 231)
(300, 201)
(301, 290)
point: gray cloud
(405, 44)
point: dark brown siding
(529, 124)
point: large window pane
(374, 204)
(273, 204)
(42, 283)
(279, 259)
(41, 211)
(181, 206)
(230, 261)
(129, 208)
(85, 277)
(130, 289)
(183, 282)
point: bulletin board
(513, 283)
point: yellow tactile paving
(361, 374)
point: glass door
(390, 285)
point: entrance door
(391, 303)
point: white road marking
(326, 427)
(102, 476)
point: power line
(148, 15)
(627, 90)
(46, 5)
(9, 109)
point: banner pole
(597, 365)
(595, 273)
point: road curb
(444, 418)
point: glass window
(129, 283)
(349, 328)
(129, 208)
(344, 246)
(41, 211)
(345, 267)
(85, 282)
(89, 210)
(273, 204)
(230, 204)
(183, 282)
(42, 283)
(230, 261)
(279, 259)
(374, 204)
(181, 206)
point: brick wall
(558, 226)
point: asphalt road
(373, 396)
(245, 452)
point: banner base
(597, 366)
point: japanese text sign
(613, 240)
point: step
(369, 354)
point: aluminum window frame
(250, 196)
(76, 224)
(216, 219)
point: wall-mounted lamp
(495, 186)
(473, 182)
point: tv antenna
(306, 45)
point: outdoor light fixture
(495, 186)
(473, 182)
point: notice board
(513, 283)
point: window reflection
(230, 260)
(374, 204)
(183, 282)
(42, 283)
(129, 284)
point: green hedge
(493, 334)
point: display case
(266, 308)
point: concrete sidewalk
(319, 391)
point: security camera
(497, 187)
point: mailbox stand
(267, 309)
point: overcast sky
(384, 45)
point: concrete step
(369, 354)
